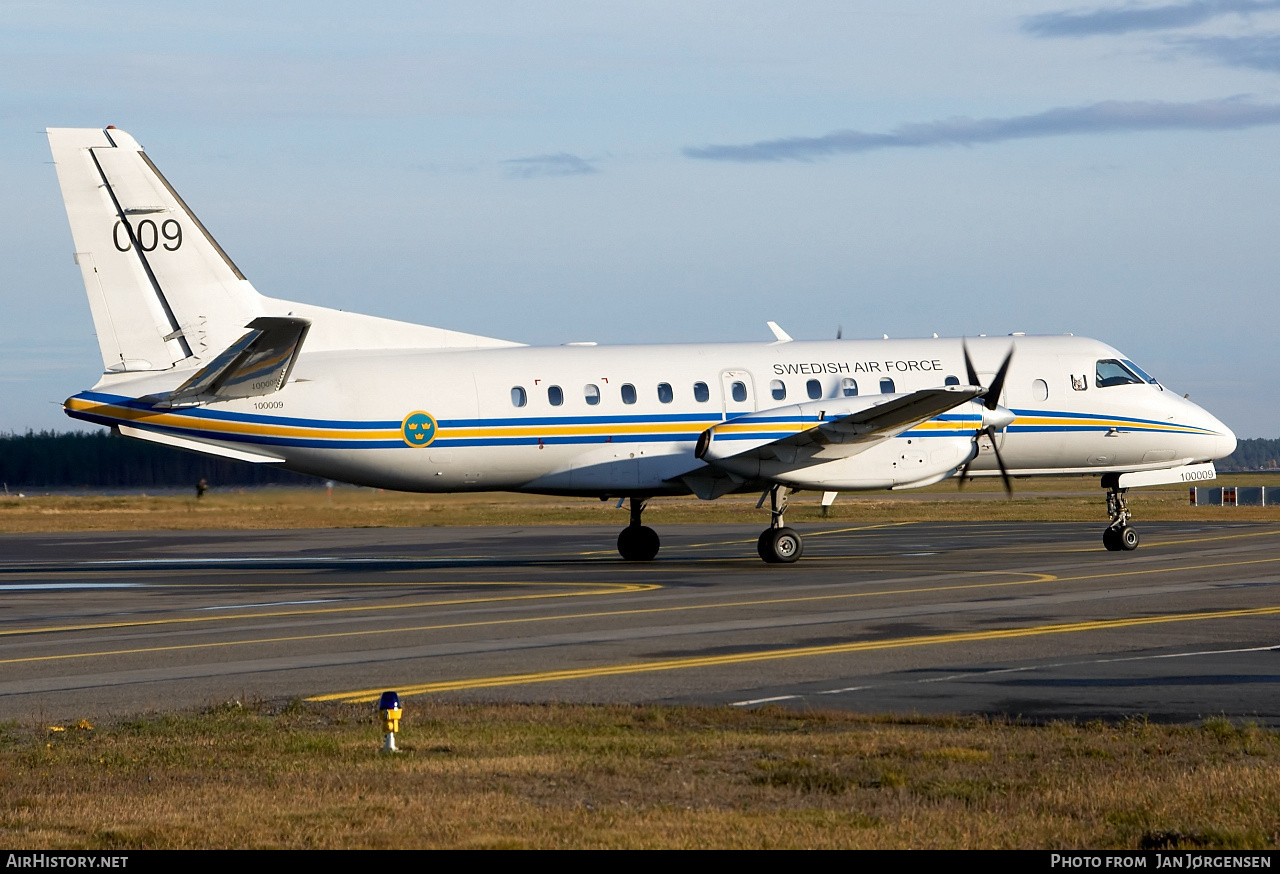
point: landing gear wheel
(638, 543)
(1120, 539)
(780, 545)
(1128, 538)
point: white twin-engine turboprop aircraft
(195, 358)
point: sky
(650, 172)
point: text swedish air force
(886, 366)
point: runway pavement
(1029, 620)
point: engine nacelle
(900, 462)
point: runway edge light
(389, 710)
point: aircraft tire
(780, 545)
(1111, 539)
(762, 546)
(1128, 538)
(638, 543)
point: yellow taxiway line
(363, 696)
(598, 589)
(522, 620)
(619, 588)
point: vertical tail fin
(162, 291)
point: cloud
(1128, 19)
(1109, 117)
(1257, 52)
(562, 164)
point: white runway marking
(272, 604)
(27, 587)
(242, 559)
(763, 700)
(1017, 670)
(268, 560)
(1024, 668)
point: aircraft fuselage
(622, 420)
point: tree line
(1254, 453)
(101, 459)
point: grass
(309, 776)
(1059, 499)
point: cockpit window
(1138, 370)
(1112, 371)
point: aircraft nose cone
(1225, 443)
(1221, 441)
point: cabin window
(739, 391)
(628, 393)
(664, 392)
(1112, 372)
(701, 393)
(951, 380)
(814, 388)
(592, 393)
(886, 386)
(849, 387)
(778, 389)
(555, 395)
(1040, 390)
(518, 396)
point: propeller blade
(973, 380)
(997, 385)
(839, 332)
(1004, 471)
(968, 365)
(991, 400)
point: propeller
(990, 401)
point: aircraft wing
(259, 363)
(826, 430)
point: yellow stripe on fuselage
(1100, 422)
(176, 420)
(602, 429)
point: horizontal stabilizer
(257, 364)
(208, 447)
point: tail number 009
(147, 235)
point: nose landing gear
(1118, 536)
(779, 544)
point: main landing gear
(779, 544)
(638, 542)
(1118, 536)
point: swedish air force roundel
(418, 429)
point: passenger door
(737, 393)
